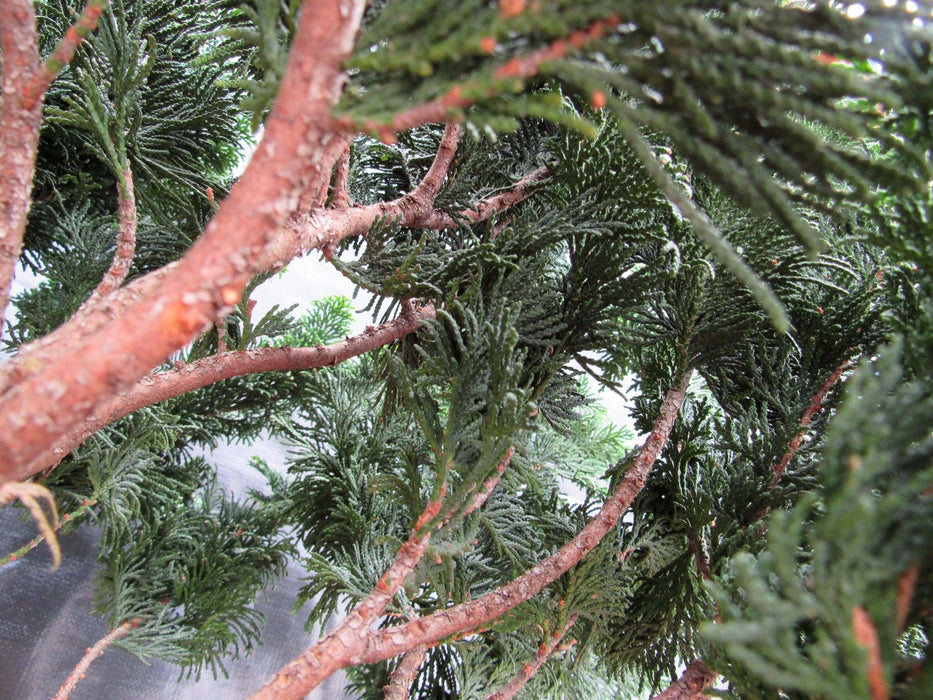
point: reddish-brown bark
(216, 268)
(94, 652)
(691, 683)
(484, 209)
(331, 653)
(356, 643)
(126, 241)
(20, 119)
(25, 82)
(554, 643)
(209, 370)
(403, 676)
(461, 96)
(866, 635)
(317, 229)
(808, 414)
(341, 196)
(476, 613)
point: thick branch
(544, 652)
(19, 133)
(404, 674)
(691, 683)
(94, 652)
(210, 370)
(25, 82)
(209, 280)
(429, 630)
(126, 241)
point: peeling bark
(231, 250)
(691, 683)
(404, 675)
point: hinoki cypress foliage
(721, 210)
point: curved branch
(19, 134)
(340, 648)
(126, 241)
(214, 368)
(94, 652)
(691, 683)
(319, 661)
(210, 278)
(25, 82)
(65, 51)
(393, 641)
(404, 674)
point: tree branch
(126, 241)
(808, 414)
(19, 134)
(210, 278)
(65, 51)
(25, 82)
(486, 208)
(459, 97)
(94, 652)
(340, 648)
(341, 196)
(404, 674)
(433, 628)
(209, 370)
(328, 655)
(39, 539)
(29, 494)
(691, 683)
(544, 652)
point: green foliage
(710, 170)
(788, 614)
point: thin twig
(94, 652)
(553, 644)
(815, 403)
(29, 494)
(65, 51)
(486, 208)
(451, 104)
(39, 539)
